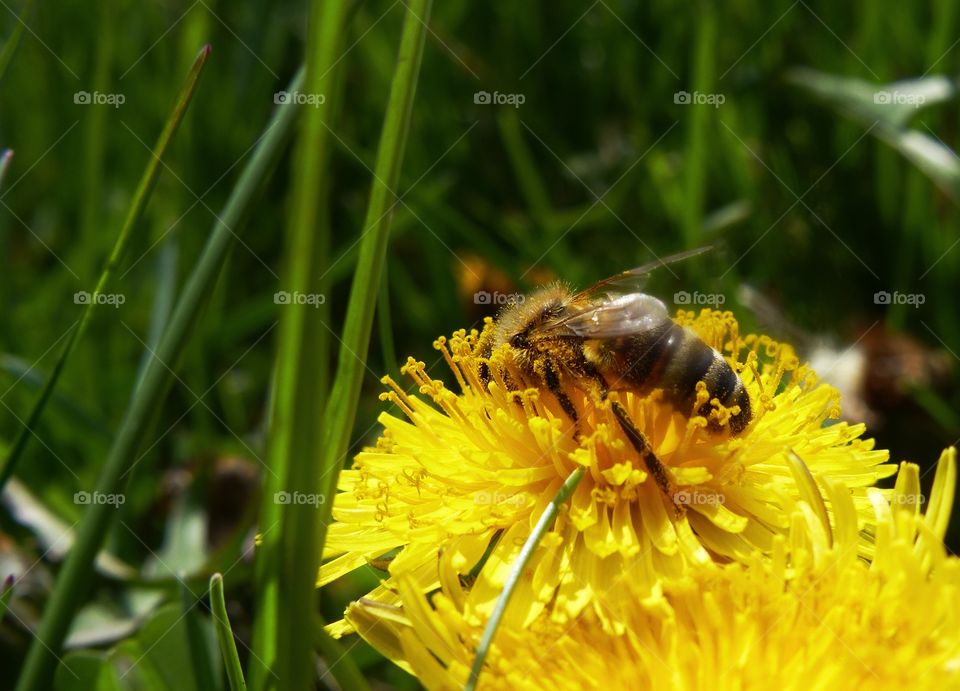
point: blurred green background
(817, 180)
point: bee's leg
(637, 438)
(511, 386)
(552, 380)
(640, 443)
(483, 372)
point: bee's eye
(519, 341)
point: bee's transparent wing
(616, 306)
(622, 315)
(633, 280)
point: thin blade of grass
(6, 596)
(870, 102)
(936, 406)
(888, 118)
(10, 47)
(299, 543)
(96, 128)
(701, 118)
(265, 624)
(32, 377)
(134, 215)
(546, 519)
(289, 555)
(385, 327)
(70, 584)
(228, 645)
(530, 181)
(341, 409)
(164, 296)
(200, 662)
(339, 663)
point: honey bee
(613, 337)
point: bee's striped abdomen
(676, 360)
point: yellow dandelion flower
(812, 615)
(483, 462)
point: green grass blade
(10, 47)
(888, 121)
(228, 646)
(290, 555)
(858, 99)
(339, 663)
(96, 127)
(341, 409)
(516, 571)
(296, 550)
(5, 596)
(265, 629)
(200, 662)
(385, 327)
(531, 183)
(134, 215)
(935, 405)
(696, 153)
(260, 673)
(71, 582)
(164, 297)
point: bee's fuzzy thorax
(517, 317)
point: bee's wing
(633, 280)
(616, 306)
(612, 317)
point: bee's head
(520, 341)
(518, 324)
